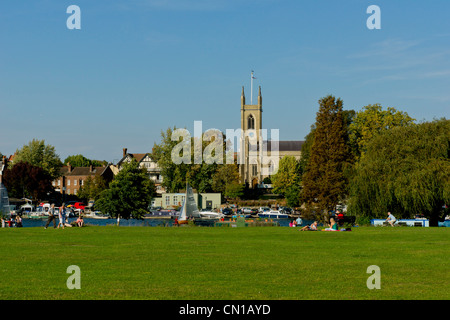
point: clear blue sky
(137, 67)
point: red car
(79, 205)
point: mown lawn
(263, 263)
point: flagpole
(251, 88)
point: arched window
(251, 122)
(271, 167)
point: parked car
(264, 209)
(227, 211)
(79, 205)
(247, 210)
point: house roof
(82, 171)
(138, 156)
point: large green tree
(371, 121)
(406, 171)
(39, 154)
(324, 182)
(129, 194)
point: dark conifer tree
(324, 181)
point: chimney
(70, 167)
(125, 151)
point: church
(259, 158)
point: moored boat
(273, 214)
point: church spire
(259, 97)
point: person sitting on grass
(332, 226)
(80, 221)
(311, 227)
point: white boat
(96, 215)
(190, 210)
(273, 214)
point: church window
(271, 167)
(251, 122)
(254, 169)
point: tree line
(374, 160)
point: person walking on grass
(51, 217)
(62, 216)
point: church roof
(283, 146)
(287, 145)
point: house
(145, 161)
(73, 178)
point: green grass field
(264, 263)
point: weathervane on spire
(251, 88)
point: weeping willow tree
(406, 171)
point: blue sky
(137, 67)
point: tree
(199, 174)
(287, 176)
(129, 194)
(81, 161)
(92, 188)
(324, 182)
(371, 121)
(225, 175)
(24, 180)
(406, 171)
(174, 175)
(226, 181)
(37, 153)
(234, 190)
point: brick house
(72, 178)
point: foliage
(26, 180)
(371, 121)
(174, 175)
(406, 171)
(37, 153)
(234, 190)
(92, 188)
(81, 161)
(225, 175)
(129, 194)
(324, 182)
(205, 175)
(287, 176)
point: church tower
(251, 125)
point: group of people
(62, 218)
(10, 223)
(296, 223)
